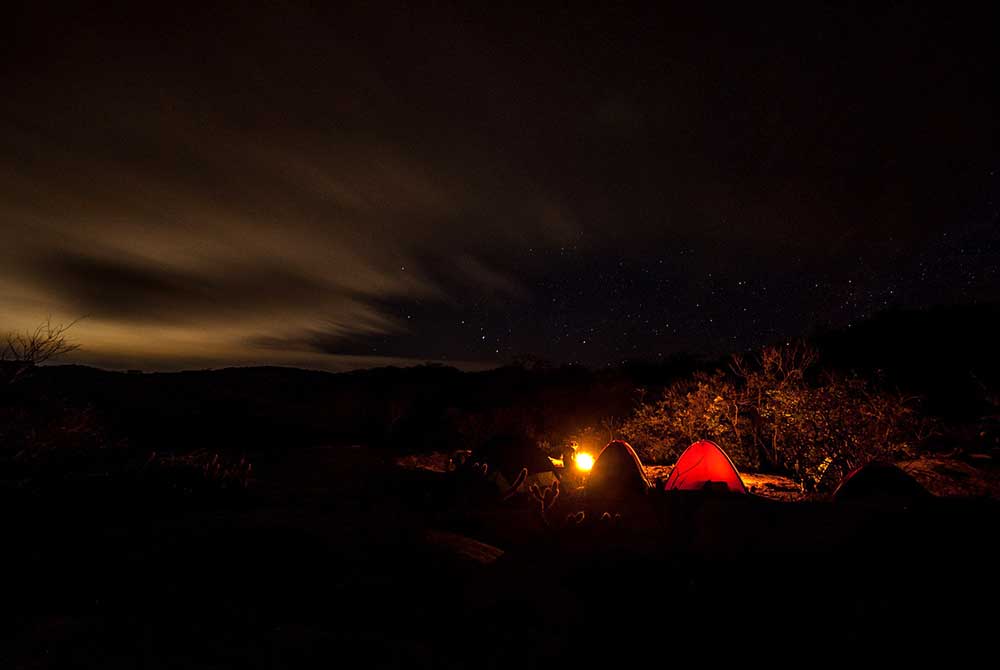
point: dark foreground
(335, 557)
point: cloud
(269, 186)
(126, 290)
(228, 249)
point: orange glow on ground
(584, 461)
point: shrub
(778, 412)
(705, 406)
(199, 473)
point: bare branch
(33, 347)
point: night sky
(336, 189)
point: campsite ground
(339, 553)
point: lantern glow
(584, 461)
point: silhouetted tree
(22, 350)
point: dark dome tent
(704, 466)
(879, 481)
(507, 455)
(617, 472)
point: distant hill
(946, 354)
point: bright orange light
(584, 461)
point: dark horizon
(336, 189)
(893, 340)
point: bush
(704, 406)
(780, 413)
(198, 473)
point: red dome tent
(704, 465)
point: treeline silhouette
(945, 355)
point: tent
(705, 466)
(506, 455)
(617, 472)
(879, 481)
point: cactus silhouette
(545, 497)
(521, 476)
(550, 495)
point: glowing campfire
(584, 461)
